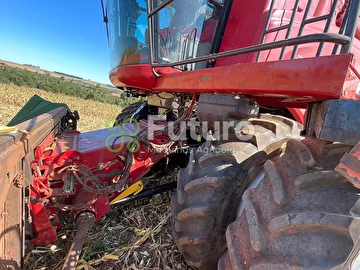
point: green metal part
(33, 108)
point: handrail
(160, 7)
(291, 24)
(344, 37)
(351, 23)
(323, 37)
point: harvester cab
(178, 33)
(155, 45)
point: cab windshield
(181, 30)
(184, 30)
(127, 24)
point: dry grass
(133, 236)
(93, 114)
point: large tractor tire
(142, 114)
(210, 188)
(302, 215)
(128, 111)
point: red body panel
(287, 83)
(291, 81)
(242, 30)
(137, 76)
(298, 114)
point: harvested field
(132, 236)
(93, 114)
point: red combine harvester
(263, 94)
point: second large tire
(128, 111)
(210, 188)
(302, 215)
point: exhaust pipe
(84, 222)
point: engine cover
(225, 107)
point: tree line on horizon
(46, 82)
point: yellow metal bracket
(4, 130)
(134, 189)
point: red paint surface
(247, 20)
(299, 114)
(291, 81)
(137, 76)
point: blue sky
(66, 36)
